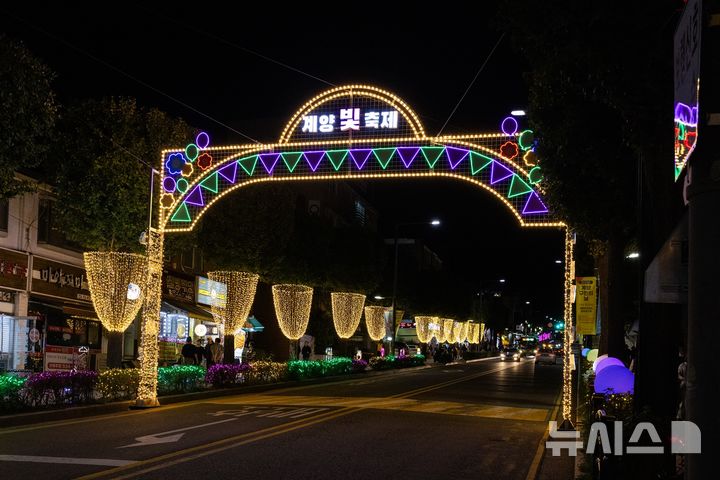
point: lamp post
(434, 223)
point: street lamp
(434, 223)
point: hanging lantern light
(422, 328)
(375, 322)
(448, 324)
(347, 308)
(292, 308)
(116, 281)
(232, 311)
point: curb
(19, 419)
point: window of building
(359, 213)
(48, 229)
(4, 215)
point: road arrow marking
(168, 437)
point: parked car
(545, 355)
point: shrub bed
(386, 363)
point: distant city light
(502, 280)
(435, 222)
(633, 255)
(518, 113)
(527, 303)
(558, 261)
(378, 297)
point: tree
(27, 114)
(105, 151)
(597, 107)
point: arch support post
(148, 352)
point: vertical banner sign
(687, 82)
(586, 305)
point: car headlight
(502, 354)
(515, 356)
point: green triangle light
(181, 214)
(248, 164)
(383, 156)
(291, 159)
(518, 187)
(211, 183)
(432, 154)
(478, 161)
(337, 157)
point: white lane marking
(75, 461)
(159, 438)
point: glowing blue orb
(599, 365)
(585, 352)
(615, 379)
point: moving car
(510, 354)
(545, 355)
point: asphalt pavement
(476, 420)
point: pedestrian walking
(188, 352)
(216, 349)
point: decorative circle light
(202, 140)
(422, 328)
(592, 355)
(169, 184)
(232, 311)
(347, 308)
(509, 126)
(292, 308)
(598, 360)
(585, 352)
(200, 330)
(607, 362)
(109, 276)
(615, 379)
(133, 291)
(375, 322)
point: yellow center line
(199, 451)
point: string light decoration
(347, 309)
(149, 329)
(567, 372)
(76, 324)
(232, 313)
(482, 333)
(109, 275)
(448, 332)
(292, 308)
(375, 322)
(422, 328)
(473, 334)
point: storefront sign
(59, 358)
(687, 82)
(13, 269)
(210, 292)
(6, 296)
(179, 288)
(59, 280)
(586, 305)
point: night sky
(201, 56)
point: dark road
(483, 419)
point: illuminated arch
(194, 178)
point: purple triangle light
(456, 155)
(360, 157)
(229, 172)
(269, 160)
(534, 205)
(195, 197)
(313, 159)
(499, 172)
(408, 154)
